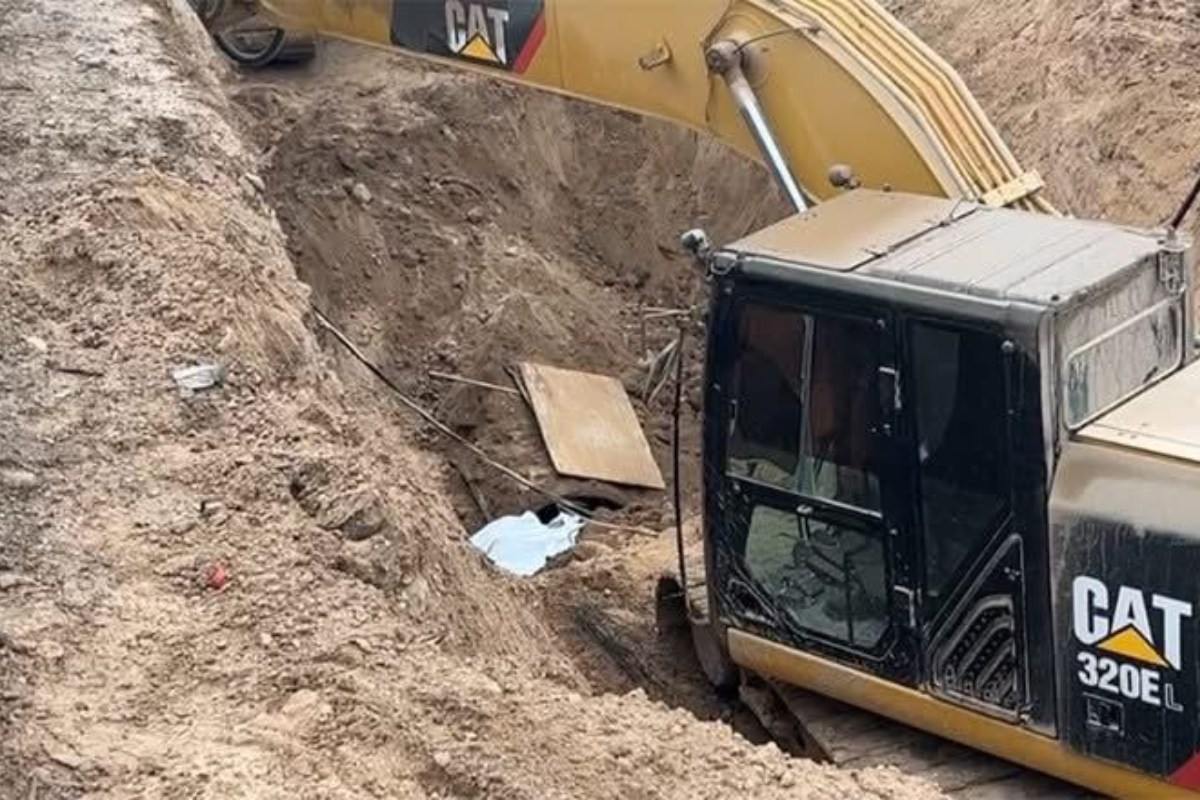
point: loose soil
(263, 589)
(458, 225)
(1097, 95)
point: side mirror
(696, 242)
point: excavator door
(805, 523)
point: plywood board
(589, 426)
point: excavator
(951, 437)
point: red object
(217, 577)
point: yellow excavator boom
(839, 82)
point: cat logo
(1145, 636)
(1123, 627)
(498, 33)
(477, 31)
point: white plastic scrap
(196, 379)
(522, 545)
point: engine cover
(1125, 545)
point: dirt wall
(458, 225)
(1098, 95)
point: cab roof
(953, 246)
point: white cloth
(522, 545)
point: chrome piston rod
(725, 59)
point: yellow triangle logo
(1130, 643)
(478, 49)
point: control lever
(804, 512)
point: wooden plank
(589, 426)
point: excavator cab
(893, 383)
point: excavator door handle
(906, 605)
(890, 399)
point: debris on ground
(361, 193)
(444, 376)
(522, 545)
(191, 380)
(18, 478)
(218, 576)
(11, 580)
(589, 426)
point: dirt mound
(258, 589)
(1098, 95)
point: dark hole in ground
(587, 503)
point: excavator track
(826, 730)
(812, 726)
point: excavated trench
(455, 226)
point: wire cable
(677, 481)
(1188, 202)
(477, 451)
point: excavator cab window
(805, 410)
(765, 416)
(804, 427)
(962, 447)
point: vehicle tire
(252, 47)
